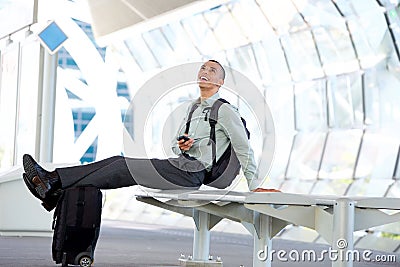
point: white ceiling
(118, 18)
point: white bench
(265, 214)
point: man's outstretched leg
(111, 173)
(48, 185)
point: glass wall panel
(336, 50)
(296, 186)
(331, 36)
(377, 156)
(367, 28)
(275, 58)
(389, 99)
(306, 155)
(367, 187)
(394, 190)
(340, 154)
(8, 103)
(180, 41)
(250, 19)
(242, 59)
(201, 34)
(227, 31)
(282, 21)
(283, 143)
(397, 167)
(302, 57)
(345, 101)
(141, 53)
(28, 99)
(159, 46)
(331, 187)
(371, 98)
(264, 69)
(280, 101)
(311, 105)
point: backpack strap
(213, 118)
(194, 107)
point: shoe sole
(33, 176)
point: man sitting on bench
(188, 171)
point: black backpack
(223, 171)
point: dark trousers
(118, 171)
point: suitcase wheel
(85, 261)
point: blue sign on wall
(52, 37)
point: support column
(343, 229)
(201, 242)
(262, 240)
(47, 104)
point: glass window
(201, 34)
(159, 46)
(311, 105)
(394, 190)
(306, 155)
(381, 26)
(367, 28)
(397, 166)
(250, 19)
(302, 57)
(345, 101)
(296, 186)
(331, 36)
(8, 104)
(275, 58)
(180, 41)
(281, 156)
(222, 24)
(264, 69)
(289, 20)
(28, 99)
(331, 187)
(371, 98)
(242, 59)
(141, 53)
(377, 156)
(340, 154)
(280, 100)
(336, 49)
(389, 99)
(367, 187)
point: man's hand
(265, 190)
(185, 145)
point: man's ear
(221, 82)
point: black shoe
(43, 184)
(51, 201)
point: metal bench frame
(266, 214)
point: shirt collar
(209, 101)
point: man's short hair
(222, 68)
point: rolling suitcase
(76, 226)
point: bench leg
(343, 228)
(262, 241)
(201, 241)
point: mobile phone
(184, 137)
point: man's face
(210, 75)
